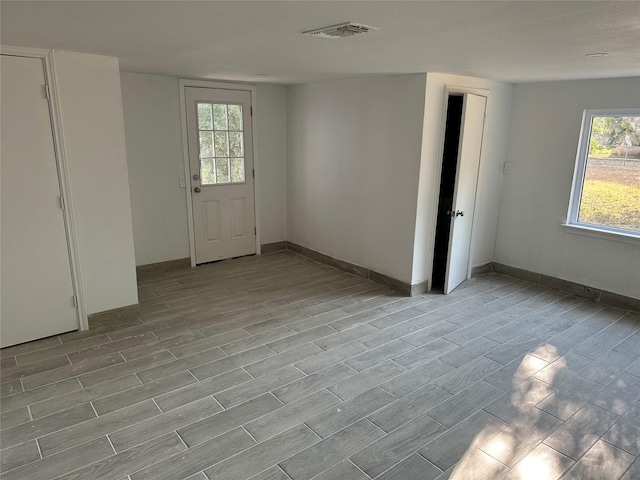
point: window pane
(222, 170)
(235, 117)
(206, 144)
(222, 149)
(237, 169)
(204, 116)
(220, 116)
(235, 144)
(207, 174)
(611, 188)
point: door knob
(459, 213)
(197, 189)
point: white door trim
(183, 83)
(449, 90)
(48, 58)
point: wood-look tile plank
(11, 418)
(273, 473)
(465, 376)
(14, 374)
(67, 461)
(580, 432)
(346, 336)
(28, 347)
(43, 426)
(515, 372)
(396, 446)
(248, 390)
(520, 437)
(208, 343)
(63, 438)
(293, 341)
(550, 463)
(463, 404)
(602, 461)
(137, 394)
(570, 397)
(430, 333)
(336, 418)
(518, 401)
(619, 396)
(43, 393)
(196, 391)
(326, 453)
(290, 415)
(145, 430)
(125, 368)
(231, 362)
(62, 349)
(89, 394)
(186, 363)
(19, 455)
(344, 470)
(252, 341)
(263, 455)
(415, 378)
(471, 351)
(197, 458)
(131, 460)
(210, 427)
(425, 353)
(446, 450)
(68, 371)
(367, 379)
(280, 360)
(377, 355)
(608, 367)
(413, 466)
(327, 358)
(408, 407)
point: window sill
(603, 234)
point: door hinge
(251, 111)
(255, 230)
(74, 300)
(61, 198)
(253, 173)
(46, 91)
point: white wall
(93, 132)
(490, 174)
(153, 133)
(271, 140)
(151, 108)
(545, 126)
(353, 164)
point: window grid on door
(221, 143)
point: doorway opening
(447, 188)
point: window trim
(572, 224)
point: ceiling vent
(340, 31)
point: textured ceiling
(513, 41)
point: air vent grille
(340, 31)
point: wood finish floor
(278, 368)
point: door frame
(60, 152)
(453, 90)
(184, 83)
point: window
(220, 137)
(606, 181)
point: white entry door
(464, 196)
(221, 171)
(37, 289)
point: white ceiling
(514, 41)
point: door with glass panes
(221, 172)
